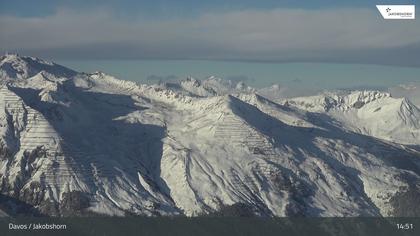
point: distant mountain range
(77, 144)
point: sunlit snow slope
(89, 144)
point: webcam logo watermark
(397, 12)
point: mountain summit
(90, 144)
(13, 66)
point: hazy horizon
(302, 46)
(302, 75)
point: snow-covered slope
(13, 66)
(410, 91)
(372, 113)
(93, 144)
(274, 92)
(211, 86)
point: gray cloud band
(284, 35)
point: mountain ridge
(92, 144)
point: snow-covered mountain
(409, 90)
(372, 113)
(14, 66)
(211, 86)
(79, 144)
